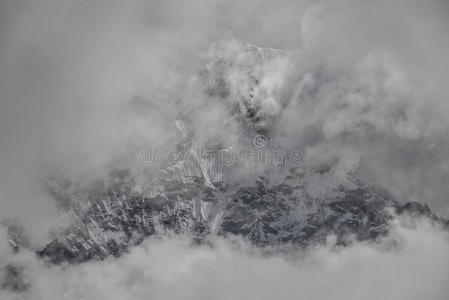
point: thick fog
(85, 85)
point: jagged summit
(245, 77)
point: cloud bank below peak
(170, 268)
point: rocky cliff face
(284, 214)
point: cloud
(364, 86)
(172, 267)
(364, 81)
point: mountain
(284, 205)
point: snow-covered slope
(279, 215)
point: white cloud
(409, 264)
